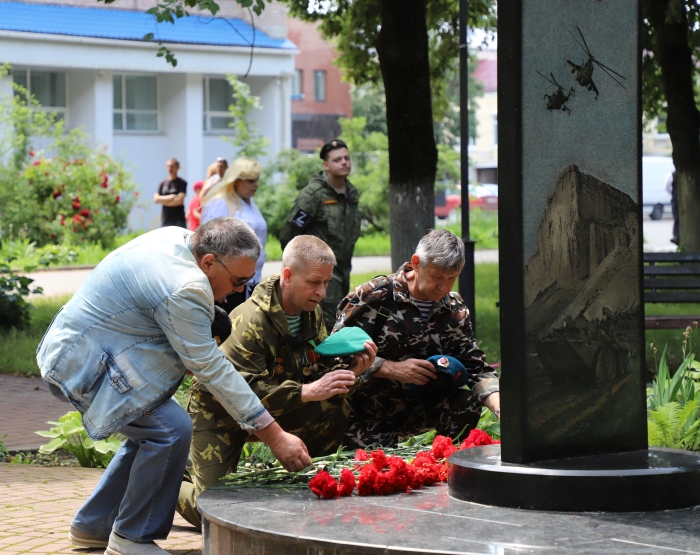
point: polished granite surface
(429, 521)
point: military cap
(451, 374)
(331, 145)
(344, 342)
(221, 326)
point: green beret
(344, 342)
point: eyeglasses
(236, 282)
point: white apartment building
(90, 64)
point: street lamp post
(466, 278)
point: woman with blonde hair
(233, 196)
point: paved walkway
(66, 282)
(25, 407)
(37, 505)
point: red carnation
(76, 203)
(361, 455)
(56, 194)
(85, 212)
(399, 474)
(477, 438)
(367, 479)
(323, 485)
(383, 484)
(379, 459)
(347, 482)
(442, 447)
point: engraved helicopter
(557, 100)
(583, 74)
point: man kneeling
(272, 346)
(412, 316)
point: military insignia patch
(330, 201)
(443, 362)
(300, 218)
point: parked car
(655, 198)
(484, 197)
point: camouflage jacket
(448, 330)
(274, 363)
(321, 211)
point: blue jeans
(137, 494)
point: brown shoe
(83, 539)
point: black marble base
(264, 521)
(648, 480)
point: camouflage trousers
(383, 412)
(217, 440)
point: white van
(655, 199)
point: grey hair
(226, 238)
(442, 249)
(304, 250)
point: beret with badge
(331, 145)
(221, 326)
(451, 374)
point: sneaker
(83, 539)
(121, 546)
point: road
(657, 235)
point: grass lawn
(17, 349)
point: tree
(408, 45)
(672, 45)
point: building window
(48, 87)
(135, 103)
(495, 129)
(218, 96)
(297, 88)
(319, 86)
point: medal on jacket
(308, 359)
(279, 369)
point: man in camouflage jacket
(328, 208)
(305, 396)
(412, 315)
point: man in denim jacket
(118, 351)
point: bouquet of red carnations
(379, 474)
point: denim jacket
(121, 346)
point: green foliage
(69, 434)
(78, 195)
(489, 423)
(4, 453)
(673, 402)
(276, 197)
(14, 309)
(18, 347)
(246, 138)
(483, 228)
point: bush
(77, 194)
(673, 402)
(14, 309)
(69, 434)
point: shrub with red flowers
(68, 193)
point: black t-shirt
(173, 215)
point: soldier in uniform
(272, 345)
(412, 315)
(328, 208)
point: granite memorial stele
(573, 424)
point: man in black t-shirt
(171, 194)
